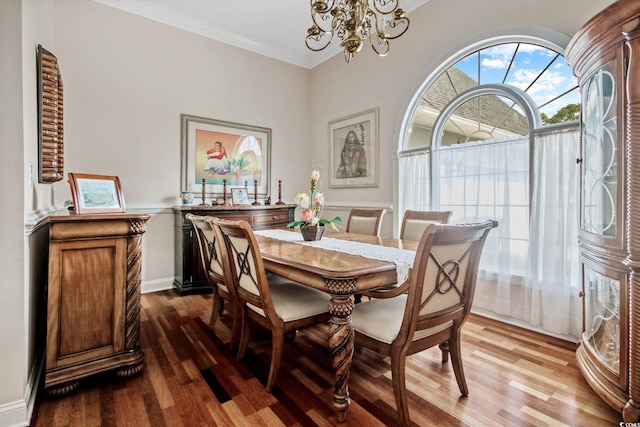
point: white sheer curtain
(553, 277)
(414, 181)
(482, 180)
(530, 268)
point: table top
(312, 266)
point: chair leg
(456, 361)
(236, 325)
(277, 342)
(244, 335)
(444, 348)
(400, 388)
(215, 309)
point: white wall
(12, 245)
(437, 30)
(128, 79)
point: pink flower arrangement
(312, 212)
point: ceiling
(274, 28)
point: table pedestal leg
(341, 340)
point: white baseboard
(15, 414)
(156, 285)
(19, 413)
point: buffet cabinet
(605, 57)
(93, 305)
(190, 276)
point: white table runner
(403, 258)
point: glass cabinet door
(599, 154)
(602, 317)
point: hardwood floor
(515, 378)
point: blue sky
(529, 62)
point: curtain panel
(529, 269)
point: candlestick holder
(203, 193)
(255, 193)
(279, 202)
(224, 193)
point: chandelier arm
(398, 23)
(381, 6)
(317, 39)
(381, 46)
(321, 13)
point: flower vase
(312, 232)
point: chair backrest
(443, 278)
(365, 221)
(245, 265)
(415, 222)
(209, 245)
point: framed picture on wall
(96, 193)
(353, 145)
(220, 153)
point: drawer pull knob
(274, 217)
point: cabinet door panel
(89, 300)
(604, 296)
(603, 160)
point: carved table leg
(341, 340)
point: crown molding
(165, 16)
(303, 58)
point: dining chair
(429, 308)
(282, 309)
(212, 254)
(415, 222)
(365, 221)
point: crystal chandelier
(352, 20)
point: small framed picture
(96, 193)
(239, 196)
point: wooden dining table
(341, 275)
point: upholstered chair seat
(294, 301)
(381, 319)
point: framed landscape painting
(96, 193)
(353, 155)
(216, 153)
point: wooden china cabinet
(605, 57)
(190, 277)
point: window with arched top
(531, 65)
(493, 133)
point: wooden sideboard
(93, 318)
(189, 274)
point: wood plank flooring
(515, 378)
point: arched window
(471, 147)
(532, 65)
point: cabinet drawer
(234, 217)
(271, 218)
